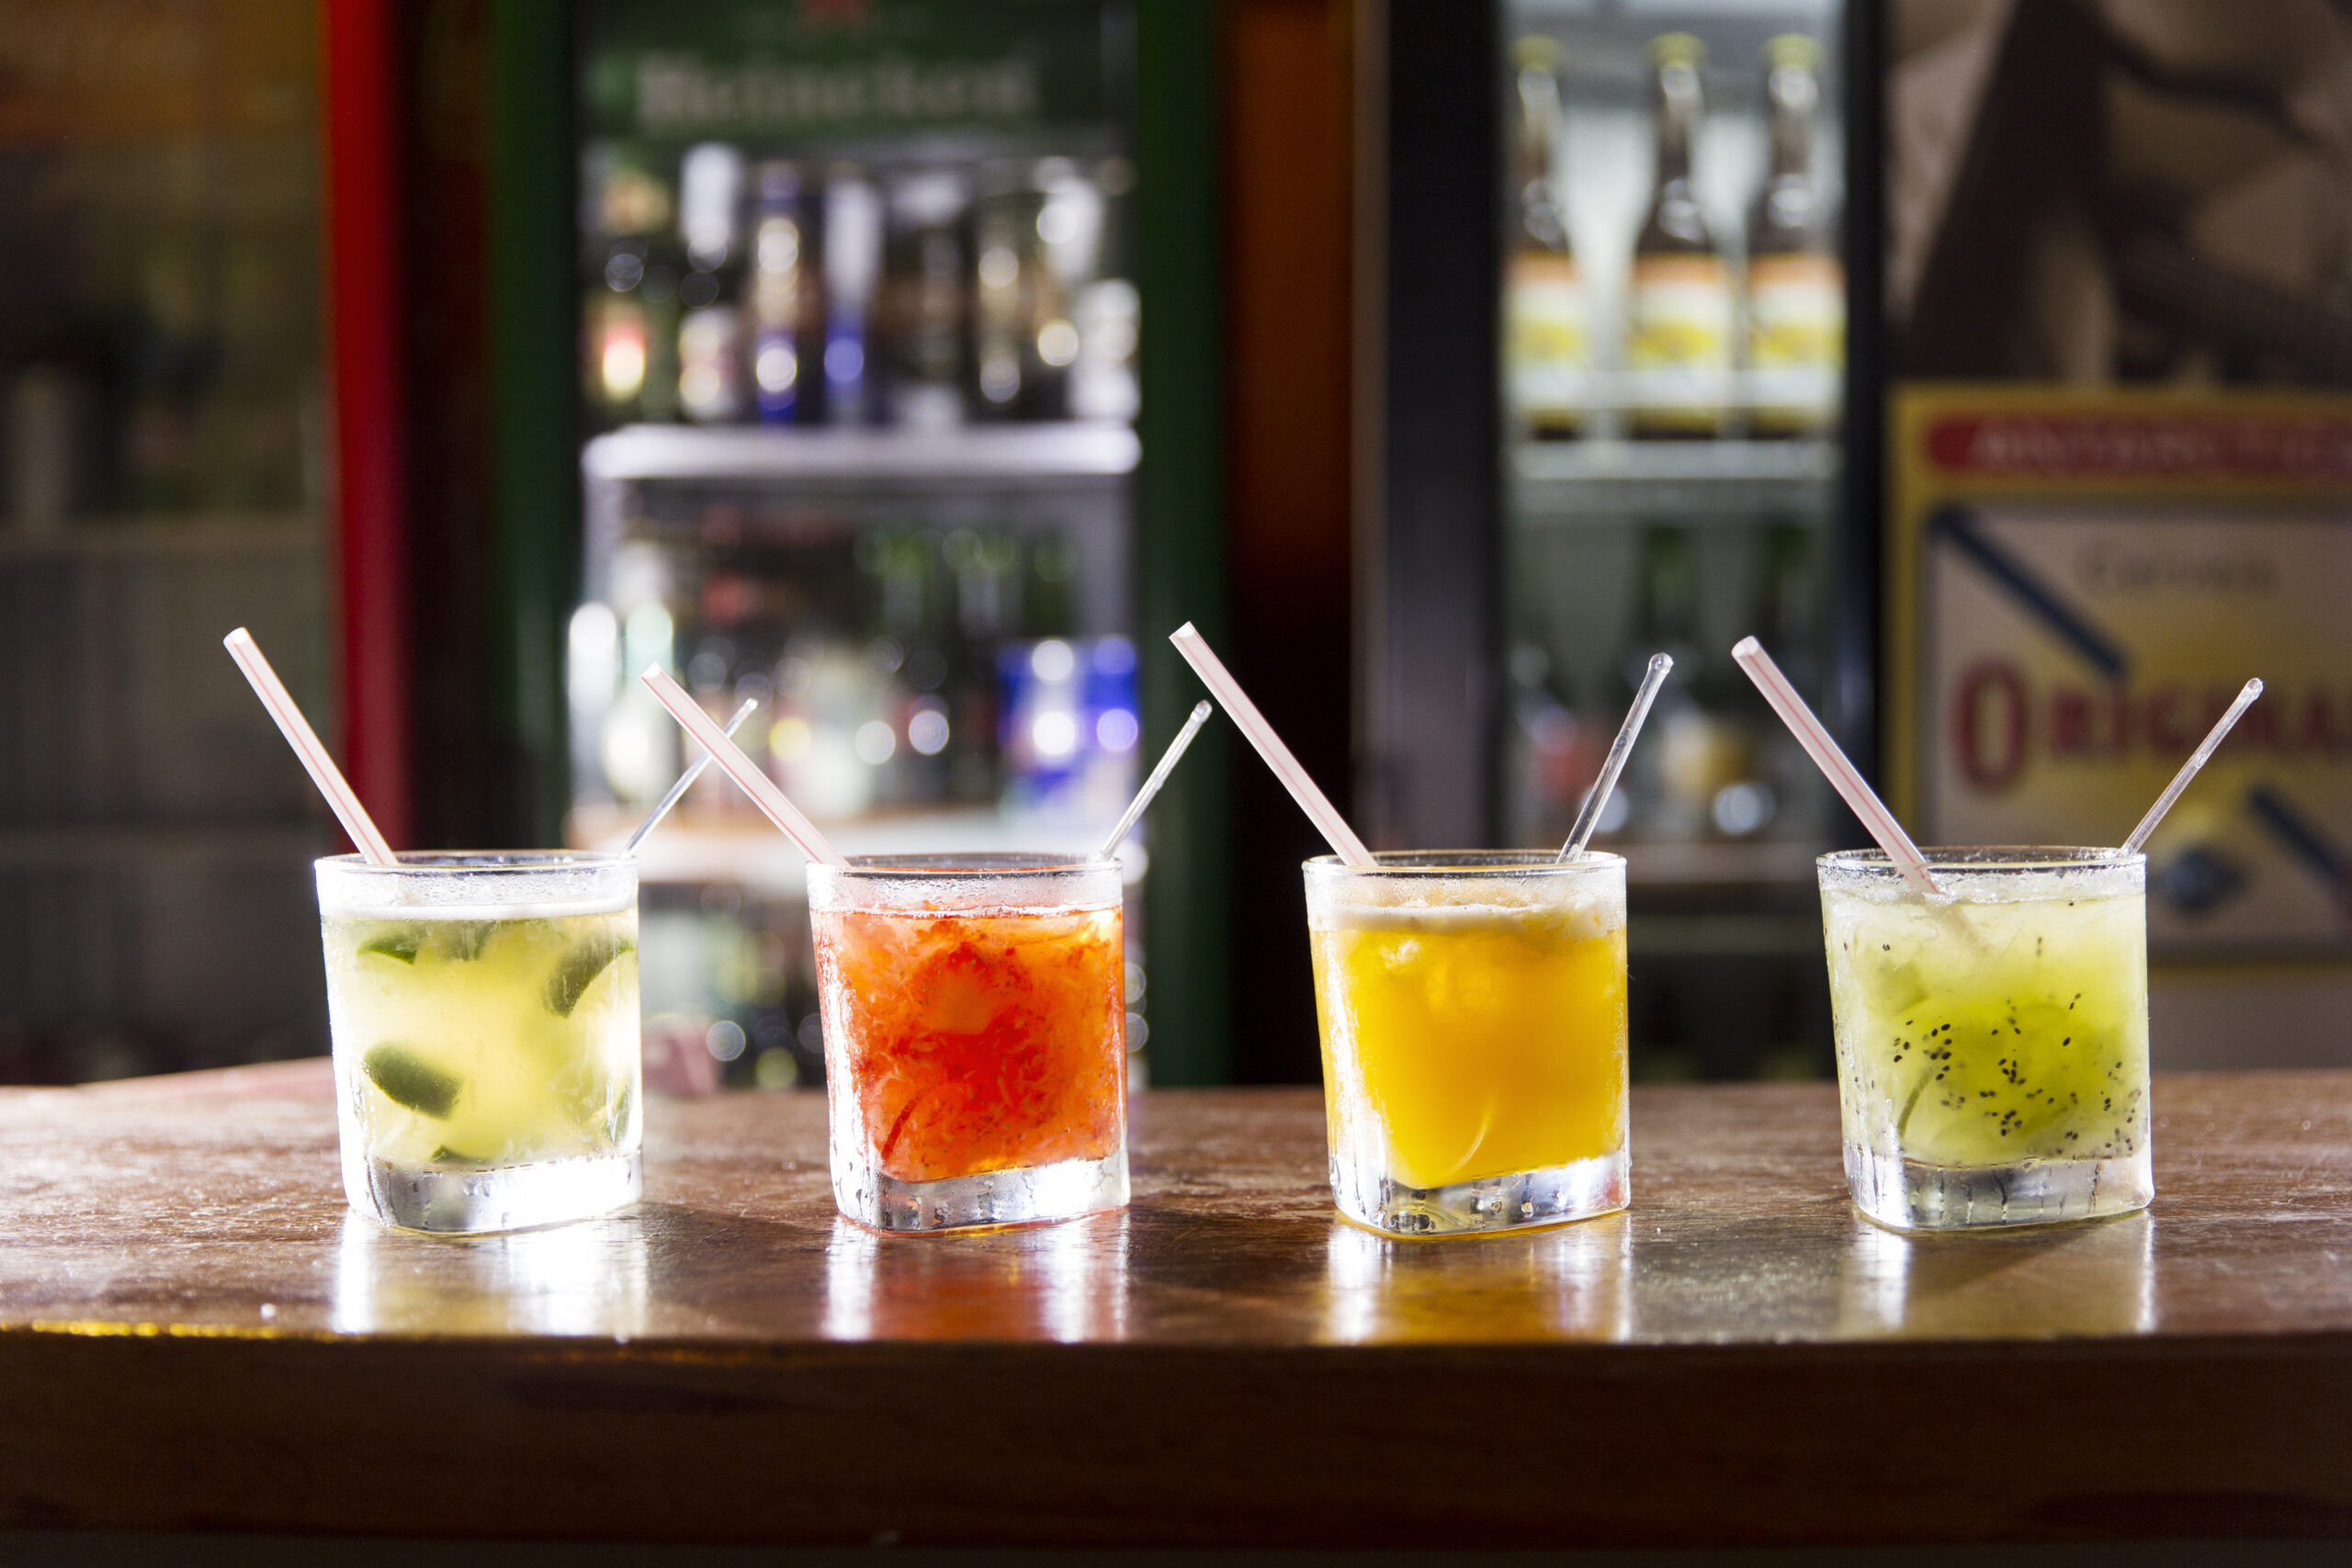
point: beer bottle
(925, 297)
(781, 280)
(1680, 300)
(709, 359)
(630, 208)
(1545, 344)
(1796, 289)
(852, 266)
(1700, 748)
(1005, 268)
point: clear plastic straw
(309, 748)
(742, 769)
(685, 781)
(1167, 760)
(1814, 736)
(2188, 769)
(1244, 713)
(1590, 818)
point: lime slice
(410, 1081)
(579, 968)
(461, 939)
(398, 942)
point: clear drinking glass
(1473, 1006)
(974, 1024)
(1992, 1043)
(483, 1010)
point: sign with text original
(2079, 583)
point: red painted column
(362, 80)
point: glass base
(1905, 1195)
(1034, 1196)
(1548, 1196)
(507, 1198)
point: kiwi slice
(409, 1079)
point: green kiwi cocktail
(1993, 1038)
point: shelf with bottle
(1571, 482)
(726, 285)
(867, 457)
(1717, 793)
(1712, 310)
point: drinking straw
(1590, 818)
(685, 782)
(1842, 775)
(742, 769)
(1167, 760)
(1244, 713)
(307, 747)
(2197, 759)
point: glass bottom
(1575, 1191)
(1034, 1196)
(1906, 1195)
(506, 1198)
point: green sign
(822, 70)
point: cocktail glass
(975, 1027)
(1473, 1009)
(484, 1018)
(1992, 1041)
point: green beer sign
(826, 70)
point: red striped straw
(1814, 736)
(742, 769)
(1252, 723)
(307, 747)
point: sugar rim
(478, 862)
(1467, 863)
(1988, 859)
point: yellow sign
(2078, 582)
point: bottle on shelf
(1069, 251)
(1679, 346)
(1105, 309)
(1702, 750)
(1005, 280)
(924, 298)
(709, 374)
(1552, 757)
(1037, 239)
(1797, 285)
(629, 304)
(781, 291)
(1546, 348)
(853, 249)
(1787, 616)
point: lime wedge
(408, 1080)
(461, 939)
(579, 968)
(399, 943)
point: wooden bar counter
(195, 1336)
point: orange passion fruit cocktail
(974, 1037)
(1473, 1011)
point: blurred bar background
(915, 366)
